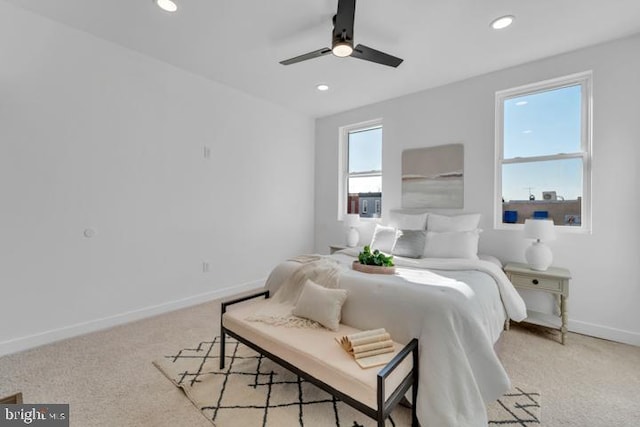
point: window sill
(561, 229)
(363, 220)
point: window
(361, 170)
(543, 149)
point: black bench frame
(384, 407)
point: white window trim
(343, 163)
(586, 80)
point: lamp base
(538, 256)
(353, 237)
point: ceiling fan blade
(315, 54)
(343, 28)
(368, 54)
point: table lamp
(351, 221)
(538, 255)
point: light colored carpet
(587, 382)
(108, 380)
(253, 391)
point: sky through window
(543, 124)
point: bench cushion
(316, 352)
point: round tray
(373, 269)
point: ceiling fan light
(502, 22)
(166, 5)
(342, 49)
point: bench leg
(414, 388)
(222, 342)
(414, 415)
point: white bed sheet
(456, 312)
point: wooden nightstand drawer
(537, 282)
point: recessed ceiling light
(521, 103)
(502, 22)
(322, 87)
(167, 5)
(527, 131)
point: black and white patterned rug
(253, 391)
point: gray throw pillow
(410, 243)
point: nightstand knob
(535, 281)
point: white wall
(93, 135)
(605, 290)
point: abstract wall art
(433, 177)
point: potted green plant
(374, 262)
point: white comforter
(459, 370)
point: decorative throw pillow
(463, 244)
(321, 304)
(383, 239)
(443, 223)
(410, 243)
(408, 221)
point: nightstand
(554, 280)
(336, 248)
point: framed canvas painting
(433, 177)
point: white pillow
(321, 304)
(383, 238)
(443, 223)
(407, 221)
(453, 244)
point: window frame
(585, 80)
(343, 163)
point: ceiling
(239, 42)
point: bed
(454, 301)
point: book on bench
(369, 348)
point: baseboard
(24, 343)
(612, 334)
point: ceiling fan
(342, 44)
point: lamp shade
(539, 229)
(351, 220)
